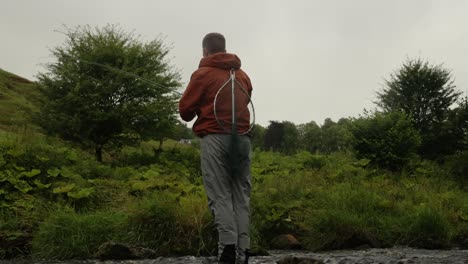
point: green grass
(343, 205)
(66, 234)
(19, 101)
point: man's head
(213, 43)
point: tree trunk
(99, 153)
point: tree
(258, 136)
(387, 140)
(290, 141)
(335, 136)
(310, 136)
(455, 129)
(426, 94)
(274, 135)
(107, 89)
(282, 137)
(181, 131)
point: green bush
(387, 140)
(457, 166)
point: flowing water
(383, 256)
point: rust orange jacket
(199, 96)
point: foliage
(172, 223)
(58, 199)
(335, 136)
(66, 234)
(310, 136)
(19, 102)
(290, 144)
(30, 169)
(274, 135)
(94, 106)
(327, 201)
(181, 131)
(257, 136)
(282, 137)
(429, 228)
(426, 94)
(343, 205)
(387, 140)
(457, 166)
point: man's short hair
(214, 42)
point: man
(228, 189)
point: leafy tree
(426, 94)
(181, 131)
(107, 88)
(290, 141)
(335, 136)
(310, 136)
(258, 136)
(274, 135)
(387, 140)
(455, 130)
(282, 137)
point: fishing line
(239, 98)
(110, 68)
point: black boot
(242, 256)
(228, 255)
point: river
(397, 255)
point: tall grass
(66, 234)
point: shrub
(387, 140)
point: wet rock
(118, 251)
(286, 242)
(299, 260)
(359, 241)
(405, 261)
(462, 241)
(114, 251)
(144, 253)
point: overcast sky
(308, 60)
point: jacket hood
(221, 60)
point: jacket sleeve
(189, 104)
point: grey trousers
(228, 196)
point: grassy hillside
(19, 99)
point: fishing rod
(114, 69)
